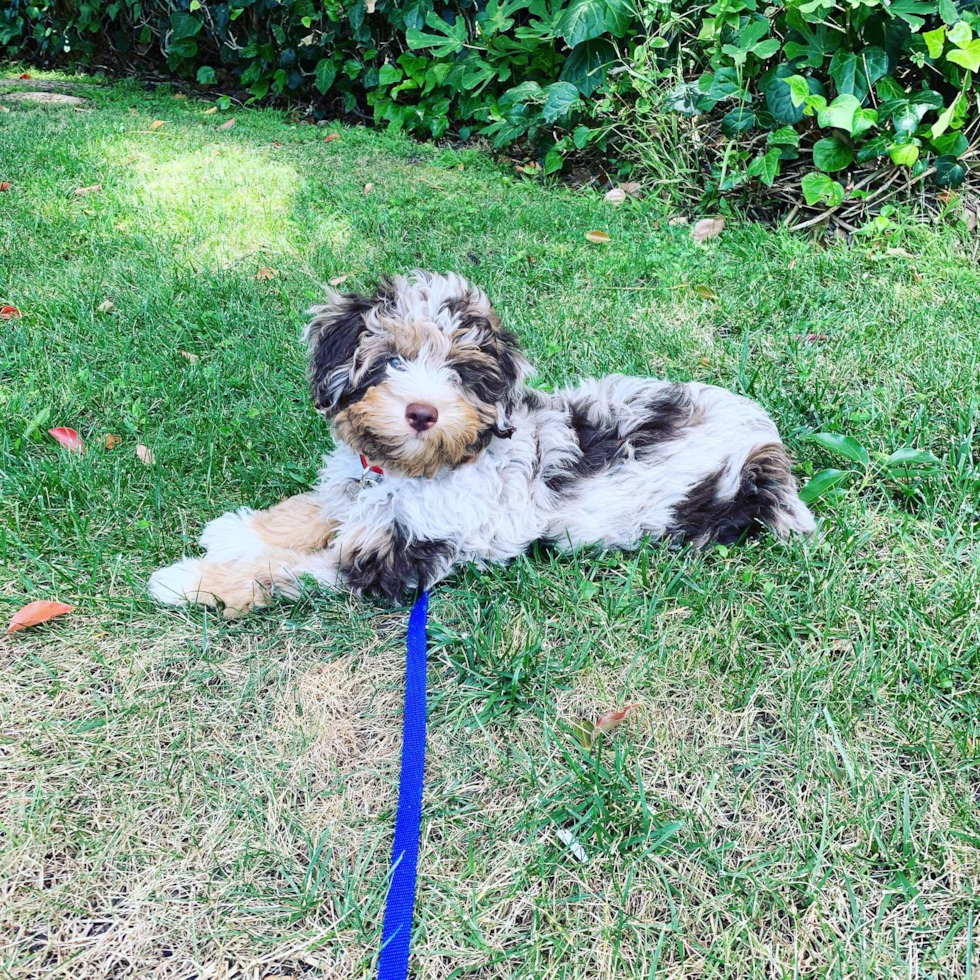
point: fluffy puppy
(444, 456)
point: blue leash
(396, 936)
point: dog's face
(419, 376)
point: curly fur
(609, 462)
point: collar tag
(371, 476)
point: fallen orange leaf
(227, 125)
(25, 75)
(331, 136)
(211, 111)
(266, 273)
(4, 185)
(611, 719)
(68, 438)
(156, 124)
(193, 358)
(598, 236)
(112, 441)
(145, 455)
(91, 189)
(37, 612)
(9, 312)
(337, 280)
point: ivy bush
(821, 87)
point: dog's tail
(767, 492)
(743, 499)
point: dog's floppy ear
(333, 335)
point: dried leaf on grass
(599, 237)
(227, 125)
(106, 305)
(4, 186)
(368, 187)
(707, 228)
(9, 313)
(337, 280)
(35, 613)
(678, 219)
(145, 455)
(112, 441)
(899, 252)
(68, 438)
(211, 111)
(586, 731)
(193, 358)
(91, 189)
(156, 124)
(616, 196)
(330, 137)
(705, 292)
(265, 272)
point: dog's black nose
(421, 417)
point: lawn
(188, 797)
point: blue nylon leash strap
(396, 935)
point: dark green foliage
(885, 82)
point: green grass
(798, 796)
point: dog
(444, 456)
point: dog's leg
(242, 585)
(383, 561)
(300, 523)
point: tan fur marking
(245, 585)
(298, 523)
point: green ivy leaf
(846, 446)
(903, 154)
(967, 56)
(873, 148)
(822, 483)
(821, 189)
(961, 33)
(738, 120)
(864, 119)
(831, 154)
(839, 114)
(560, 98)
(950, 172)
(799, 89)
(935, 41)
(183, 26)
(951, 144)
(948, 11)
(205, 75)
(784, 136)
(765, 167)
(387, 75)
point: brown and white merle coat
(423, 383)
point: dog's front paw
(179, 584)
(231, 537)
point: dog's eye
(395, 362)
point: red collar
(371, 474)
